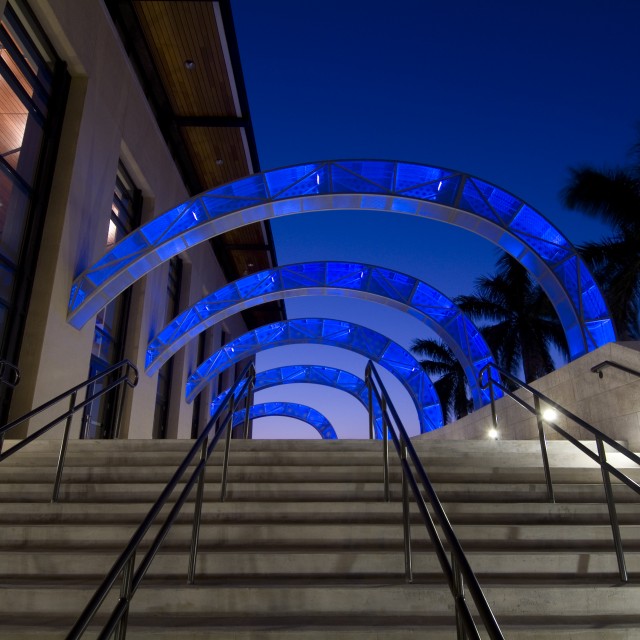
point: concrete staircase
(304, 547)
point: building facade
(86, 158)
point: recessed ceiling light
(189, 64)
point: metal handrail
(600, 457)
(5, 365)
(457, 571)
(122, 381)
(611, 363)
(125, 564)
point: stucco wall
(107, 118)
(610, 403)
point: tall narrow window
(111, 322)
(161, 415)
(33, 89)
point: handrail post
(371, 419)
(126, 590)
(543, 449)
(385, 448)
(406, 518)
(225, 462)
(63, 448)
(459, 598)
(248, 402)
(492, 396)
(119, 408)
(613, 516)
(197, 516)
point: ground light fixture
(493, 433)
(549, 415)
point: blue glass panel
(77, 296)
(252, 187)
(601, 332)
(157, 228)
(217, 206)
(443, 191)
(370, 342)
(473, 201)
(258, 284)
(316, 184)
(549, 252)
(503, 203)
(122, 254)
(427, 297)
(380, 173)
(593, 304)
(568, 274)
(281, 179)
(391, 284)
(412, 175)
(344, 181)
(337, 332)
(348, 275)
(311, 274)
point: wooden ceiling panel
(179, 31)
(218, 153)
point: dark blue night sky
(512, 92)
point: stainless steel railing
(9, 374)
(456, 569)
(125, 566)
(601, 440)
(616, 365)
(121, 381)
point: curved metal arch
(429, 192)
(290, 410)
(312, 374)
(352, 279)
(336, 333)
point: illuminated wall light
(493, 433)
(550, 415)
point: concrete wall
(610, 403)
(107, 118)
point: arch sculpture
(289, 410)
(336, 333)
(352, 279)
(439, 194)
(313, 374)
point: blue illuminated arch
(289, 410)
(352, 279)
(335, 333)
(312, 374)
(429, 192)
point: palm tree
(523, 326)
(451, 382)
(613, 195)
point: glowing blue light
(394, 289)
(357, 184)
(312, 374)
(336, 333)
(289, 410)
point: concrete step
(314, 535)
(313, 491)
(320, 512)
(168, 600)
(19, 567)
(334, 627)
(19, 475)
